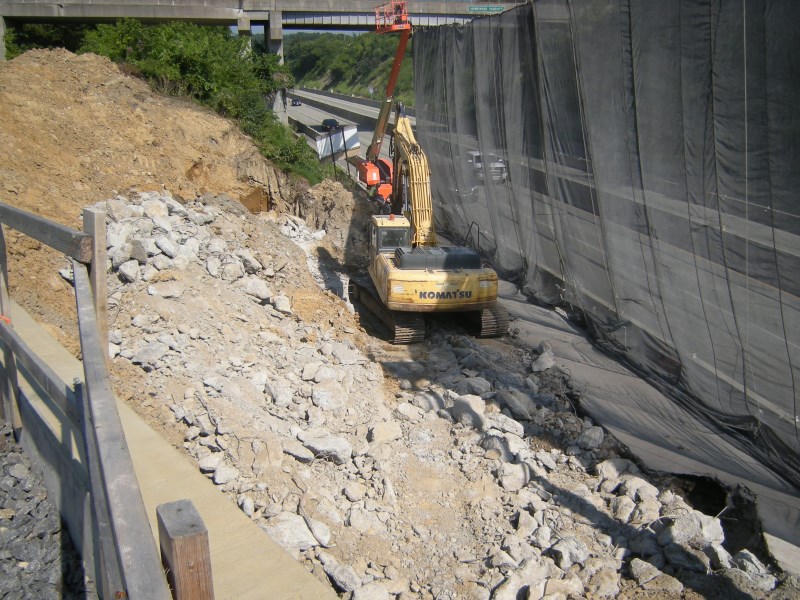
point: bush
(20, 38)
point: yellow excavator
(410, 273)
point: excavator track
(409, 328)
(401, 327)
(491, 322)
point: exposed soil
(76, 130)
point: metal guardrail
(130, 564)
(376, 104)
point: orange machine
(373, 171)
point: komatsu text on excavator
(410, 274)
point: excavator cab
(389, 232)
(393, 238)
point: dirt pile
(330, 208)
(75, 130)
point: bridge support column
(2, 39)
(243, 26)
(276, 33)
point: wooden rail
(130, 564)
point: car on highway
(330, 124)
(296, 102)
(487, 166)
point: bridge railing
(121, 540)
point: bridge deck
(246, 562)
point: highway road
(313, 113)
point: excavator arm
(412, 182)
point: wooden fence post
(94, 224)
(9, 386)
(184, 550)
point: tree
(348, 64)
(27, 36)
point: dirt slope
(75, 130)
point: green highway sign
(482, 8)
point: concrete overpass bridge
(273, 15)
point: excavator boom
(412, 175)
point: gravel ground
(37, 557)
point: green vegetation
(348, 64)
(28, 36)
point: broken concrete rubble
(474, 479)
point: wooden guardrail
(130, 565)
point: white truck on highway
(487, 165)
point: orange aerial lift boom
(373, 171)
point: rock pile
(37, 558)
(466, 473)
